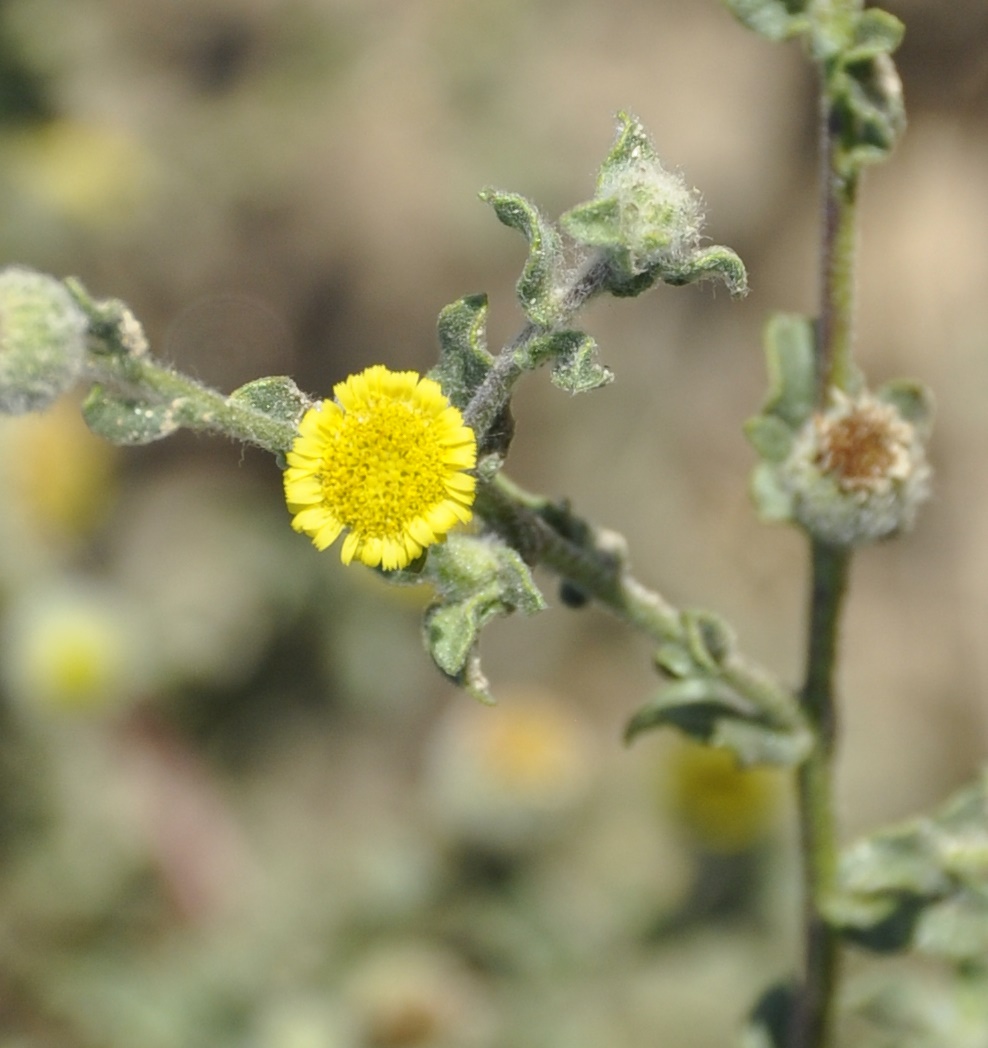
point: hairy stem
(196, 406)
(811, 1020)
(494, 392)
(813, 1012)
(596, 563)
(835, 367)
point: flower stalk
(837, 270)
(811, 1020)
(196, 406)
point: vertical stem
(812, 1014)
(839, 229)
(813, 1011)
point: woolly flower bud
(659, 215)
(856, 472)
(42, 340)
(642, 216)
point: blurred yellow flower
(386, 461)
(54, 472)
(90, 174)
(70, 648)
(503, 776)
(723, 805)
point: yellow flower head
(386, 461)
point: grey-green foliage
(853, 48)
(476, 579)
(922, 884)
(540, 287)
(708, 701)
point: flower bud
(42, 340)
(857, 471)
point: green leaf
(867, 109)
(768, 1023)
(774, 19)
(753, 742)
(875, 32)
(452, 630)
(276, 397)
(706, 264)
(463, 357)
(921, 884)
(789, 341)
(709, 639)
(712, 712)
(477, 579)
(538, 286)
(674, 660)
(770, 436)
(913, 401)
(632, 146)
(693, 705)
(957, 927)
(123, 421)
(576, 368)
(773, 501)
(596, 223)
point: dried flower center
(864, 449)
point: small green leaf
(899, 860)
(709, 639)
(773, 501)
(576, 368)
(710, 711)
(477, 579)
(451, 630)
(789, 340)
(922, 883)
(706, 264)
(875, 32)
(774, 19)
(123, 421)
(596, 223)
(631, 146)
(768, 1022)
(463, 357)
(675, 661)
(694, 705)
(867, 109)
(538, 285)
(957, 928)
(277, 397)
(769, 436)
(913, 401)
(753, 742)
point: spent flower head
(857, 471)
(387, 462)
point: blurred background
(238, 806)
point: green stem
(595, 562)
(812, 1017)
(196, 406)
(493, 394)
(835, 366)
(813, 1012)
